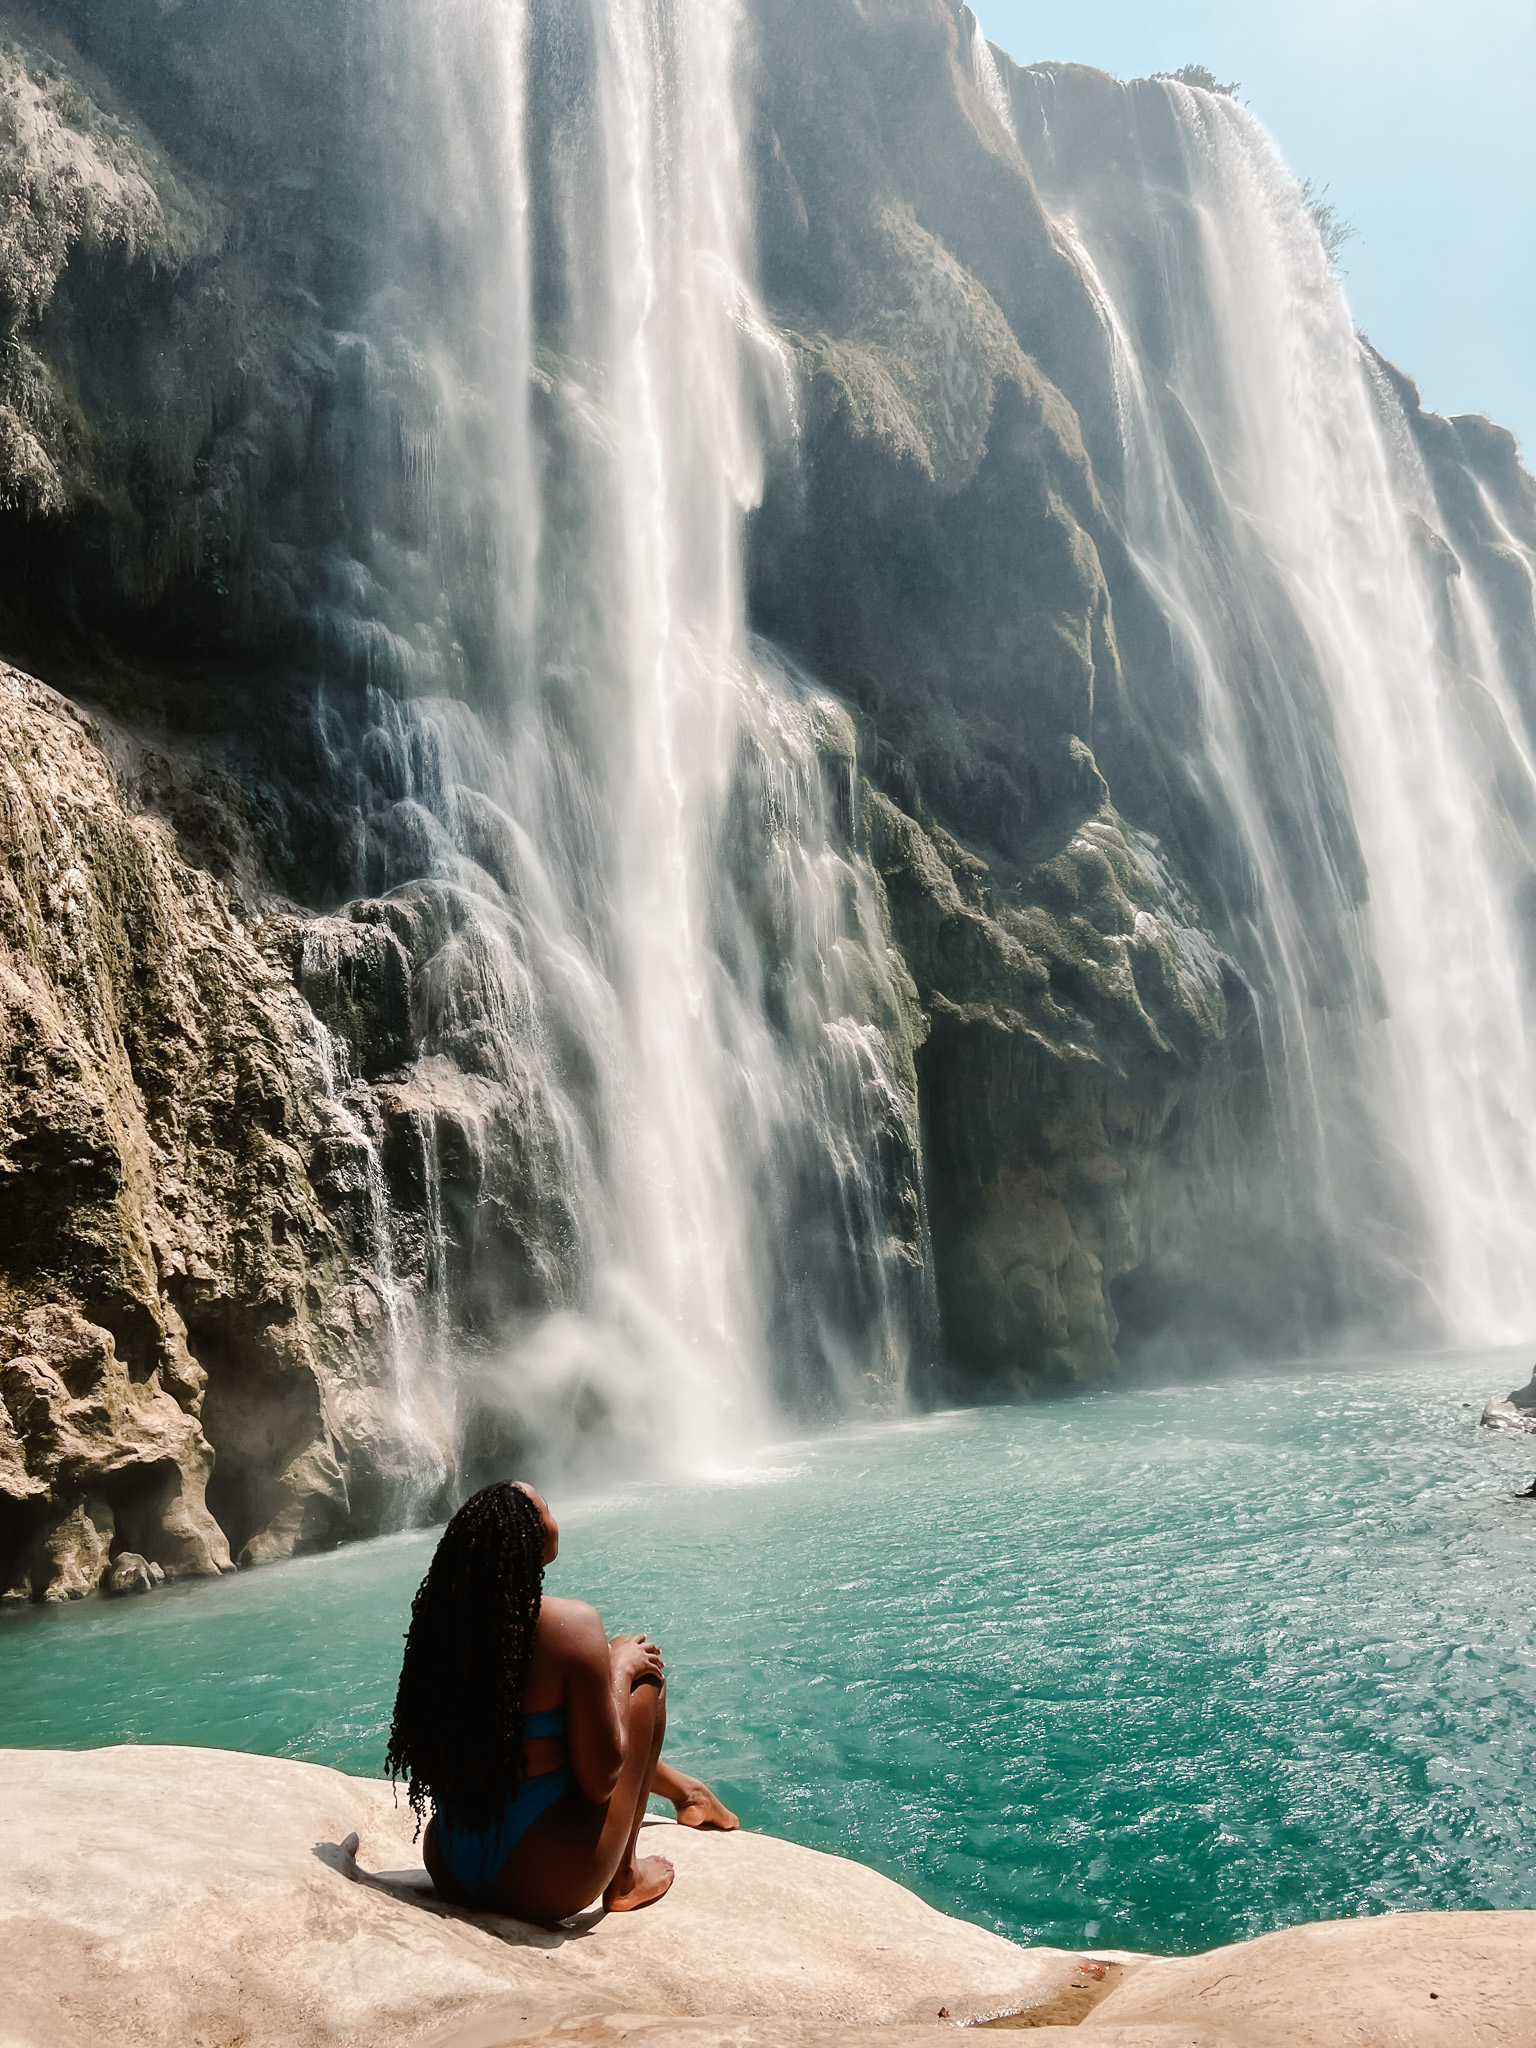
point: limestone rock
(1418, 1980)
(179, 1894)
(180, 1273)
(129, 1573)
(78, 175)
(100, 1449)
(652, 2030)
(649, 2030)
(943, 553)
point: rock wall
(945, 546)
(186, 1254)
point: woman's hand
(635, 1658)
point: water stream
(1362, 737)
(629, 846)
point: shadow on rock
(414, 1888)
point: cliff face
(283, 1165)
(1014, 531)
(943, 548)
(190, 1259)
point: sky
(1418, 115)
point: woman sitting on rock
(536, 1739)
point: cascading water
(1272, 498)
(989, 80)
(649, 968)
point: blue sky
(1420, 117)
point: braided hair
(457, 1735)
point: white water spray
(630, 880)
(989, 81)
(1263, 510)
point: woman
(536, 1740)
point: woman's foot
(697, 1807)
(643, 1882)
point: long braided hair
(457, 1735)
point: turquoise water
(1147, 1669)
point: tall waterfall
(1358, 723)
(632, 846)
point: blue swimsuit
(476, 1860)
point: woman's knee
(648, 1708)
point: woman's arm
(598, 1680)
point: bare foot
(645, 1880)
(699, 1808)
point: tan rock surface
(159, 1895)
(1411, 1980)
(649, 2030)
(184, 1255)
(658, 2030)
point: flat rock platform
(201, 1897)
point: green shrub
(1334, 229)
(1198, 74)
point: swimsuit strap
(550, 1723)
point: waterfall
(989, 80)
(1280, 516)
(653, 993)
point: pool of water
(1151, 1669)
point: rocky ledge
(197, 1895)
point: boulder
(130, 1573)
(1411, 1979)
(196, 1895)
(168, 1894)
(1516, 1413)
(1510, 1417)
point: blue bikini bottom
(476, 1860)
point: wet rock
(83, 1424)
(1080, 1027)
(1510, 1417)
(194, 1355)
(1516, 1413)
(130, 1573)
(356, 977)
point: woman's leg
(697, 1806)
(639, 1879)
(577, 1851)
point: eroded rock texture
(947, 548)
(184, 1229)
